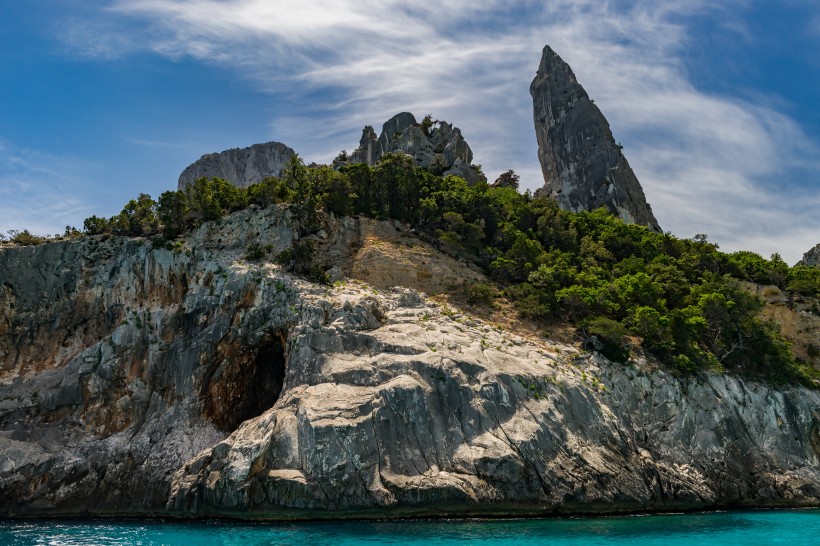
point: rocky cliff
(584, 168)
(139, 380)
(241, 166)
(812, 257)
(438, 146)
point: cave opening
(247, 384)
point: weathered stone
(442, 149)
(811, 258)
(197, 384)
(240, 166)
(456, 148)
(465, 171)
(369, 150)
(584, 168)
(394, 127)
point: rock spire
(584, 168)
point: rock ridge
(584, 168)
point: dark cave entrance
(247, 384)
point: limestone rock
(240, 166)
(584, 168)
(369, 150)
(812, 257)
(442, 148)
(196, 384)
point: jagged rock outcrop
(441, 148)
(241, 166)
(811, 258)
(584, 168)
(138, 380)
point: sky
(717, 103)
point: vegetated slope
(616, 282)
(203, 379)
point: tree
(427, 124)
(137, 218)
(172, 212)
(95, 225)
(507, 180)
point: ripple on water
(793, 527)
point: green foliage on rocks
(621, 284)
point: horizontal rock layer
(137, 380)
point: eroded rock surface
(440, 146)
(240, 166)
(811, 258)
(136, 380)
(584, 168)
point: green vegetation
(619, 284)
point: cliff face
(135, 380)
(243, 167)
(812, 257)
(584, 168)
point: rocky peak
(439, 146)
(584, 168)
(812, 257)
(240, 166)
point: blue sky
(717, 103)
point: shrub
(25, 238)
(481, 293)
(298, 259)
(255, 252)
(612, 337)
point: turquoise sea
(792, 527)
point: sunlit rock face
(584, 168)
(240, 166)
(440, 147)
(139, 380)
(812, 257)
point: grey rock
(456, 148)
(394, 127)
(196, 384)
(465, 171)
(584, 168)
(811, 258)
(443, 149)
(240, 166)
(369, 150)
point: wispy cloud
(714, 164)
(40, 192)
(159, 144)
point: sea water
(792, 527)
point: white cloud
(708, 163)
(40, 192)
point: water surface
(792, 527)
